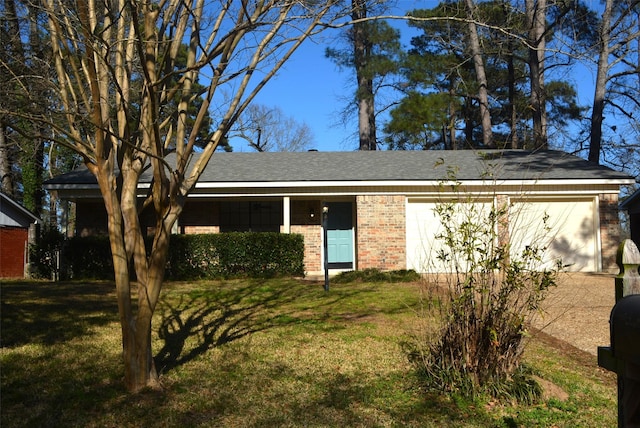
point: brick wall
(380, 228)
(306, 218)
(312, 246)
(194, 230)
(381, 232)
(13, 241)
(610, 232)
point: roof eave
(357, 183)
(21, 209)
(408, 183)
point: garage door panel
(424, 229)
(565, 229)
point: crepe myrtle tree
(114, 96)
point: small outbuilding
(17, 229)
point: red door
(13, 242)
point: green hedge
(235, 254)
(44, 257)
(196, 256)
(86, 258)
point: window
(256, 216)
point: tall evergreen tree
(442, 65)
(362, 51)
(536, 13)
(481, 77)
(25, 72)
(372, 51)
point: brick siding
(306, 219)
(312, 235)
(13, 241)
(610, 232)
(381, 232)
(200, 217)
(194, 230)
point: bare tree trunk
(127, 244)
(483, 96)
(364, 91)
(452, 119)
(136, 375)
(513, 141)
(36, 47)
(600, 92)
(28, 63)
(15, 51)
(513, 113)
(536, 17)
(6, 174)
(468, 125)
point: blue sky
(312, 89)
(309, 89)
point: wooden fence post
(627, 283)
(628, 260)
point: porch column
(286, 214)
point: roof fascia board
(405, 183)
(416, 193)
(73, 186)
(280, 184)
(333, 188)
(354, 192)
(20, 208)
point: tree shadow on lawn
(50, 313)
(191, 322)
(194, 323)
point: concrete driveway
(577, 310)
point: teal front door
(340, 235)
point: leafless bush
(480, 309)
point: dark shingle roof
(632, 203)
(388, 166)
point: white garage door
(424, 246)
(571, 234)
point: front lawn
(258, 353)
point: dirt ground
(577, 311)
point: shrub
(482, 307)
(55, 257)
(190, 256)
(231, 254)
(44, 256)
(87, 258)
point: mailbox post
(325, 224)
(623, 354)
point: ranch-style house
(380, 204)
